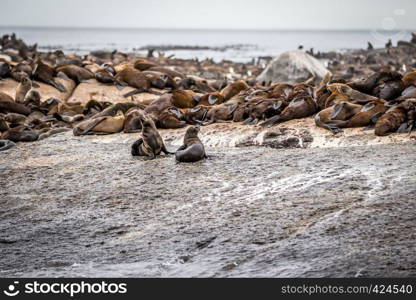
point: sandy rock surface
(83, 206)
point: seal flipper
(59, 86)
(92, 125)
(35, 85)
(375, 117)
(270, 122)
(135, 147)
(405, 128)
(164, 150)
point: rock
(292, 66)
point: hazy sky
(216, 14)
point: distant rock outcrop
(292, 66)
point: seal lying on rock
(341, 111)
(21, 133)
(298, 108)
(101, 125)
(394, 117)
(192, 149)
(151, 143)
(7, 104)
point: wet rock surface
(83, 206)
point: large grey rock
(292, 66)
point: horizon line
(202, 29)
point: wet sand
(83, 206)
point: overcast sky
(214, 14)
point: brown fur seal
(393, 118)
(21, 133)
(220, 113)
(192, 149)
(45, 73)
(132, 77)
(103, 75)
(132, 121)
(3, 124)
(7, 104)
(353, 95)
(143, 64)
(184, 99)
(76, 73)
(409, 92)
(409, 79)
(262, 109)
(22, 69)
(32, 100)
(166, 71)
(22, 89)
(197, 114)
(157, 106)
(15, 118)
(341, 111)
(211, 99)
(51, 132)
(367, 115)
(101, 125)
(160, 80)
(298, 108)
(171, 118)
(233, 89)
(113, 109)
(151, 143)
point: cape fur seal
(368, 114)
(101, 125)
(341, 111)
(76, 73)
(7, 104)
(45, 73)
(151, 143)
(192, 149)
(393, 118)
(22, 89)
(298, 108)
(21, 133)
(233, 89)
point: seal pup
(151, 143)
(22, 89)
(192, 149)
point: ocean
(235, 45)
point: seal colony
(374, 89)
